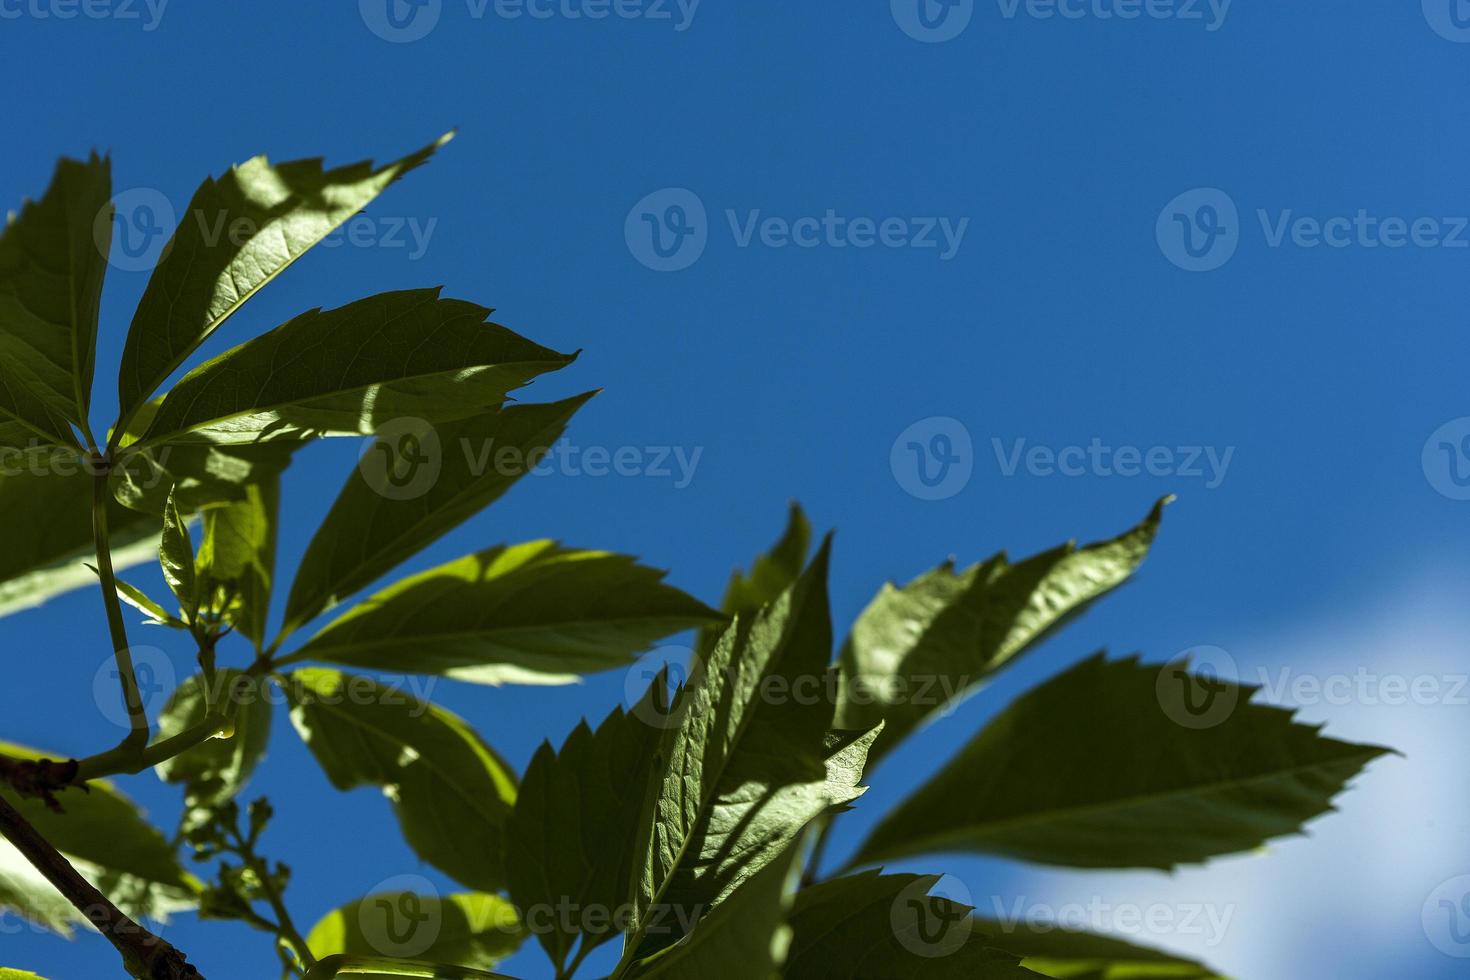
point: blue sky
(1230, 240)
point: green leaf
(451, 792)
(891, 926)
(51, 271)
(380, 967)
(237, 559)
(528, 613)
(773, 572)
(216, 770)
(749, 763)
(1092, 770)
(578, 809)
(239, 233)
(469, 929)
(919, 647)
(199, 477)
(139, 600)
(347, 371)
(176, 555)
(48, 537)
(1075, 955)
(8, 974)
(106, 836)
(369, 530)
(744, 939)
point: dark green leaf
(773, 572)
(1093, 770)
(52, 262)
(237, 559)
(748, 761)
(176, 555)
(451, 792)
(107, 837)
(1087, 956)
(917, 648)
(578, 809)
(469, 929)
(48, 536)
(531, 613)
(216, 770)
(199, 477)
(348, 371)
(873, 926)
(239, 233)
(744, 939)
(371, 528)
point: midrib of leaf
(365, 730)
(473, 633)
(705, 803)
(1128, 802)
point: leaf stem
(117, 628)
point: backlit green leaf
(1096, 769)
(176, 555)
(348, 371)
(892, 926)
(469, 929)
(48, 536)
(919, 647)
(750, 764)
(531, 613)
(52, 261)
(216, 770)
(451, 792)
(578, 809)
(237, 559)
(1072, 955)
(239, 232)
(375, 524)
(107, 837)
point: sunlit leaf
(469, 929)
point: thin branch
(145, 956)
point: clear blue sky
(1059, 311)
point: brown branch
(145, 956)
